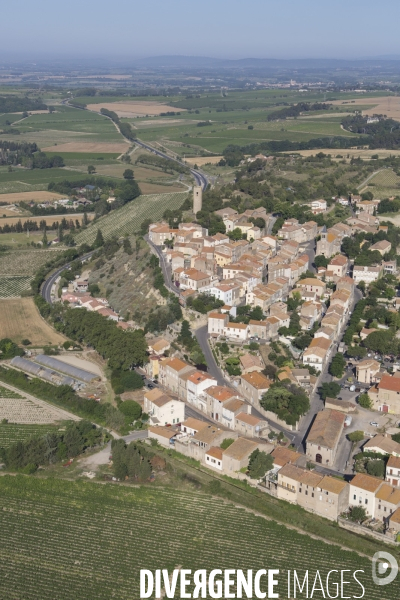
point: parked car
(150, 386)
(374, 424)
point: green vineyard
(11, 432)
(76, 540)
(6, 393)
(128, 219)
(12, 287)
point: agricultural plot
(384, 184)
(29, 197)
(128, 219)
(25, 262)
(11, 433)
(13, 287)
(20, 319)
(29, 410)
(6, 393)
(25, 180)
(107, 534)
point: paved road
(50, 281)
(165, 267)
(103, 456)
(309, 249)
(212, 367)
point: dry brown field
(203, 160)
(365, 154)
(384, 105)
(49, 219)
(20, 319)
(134, 108)
(101, 147)
(28, 196)
(155, 188)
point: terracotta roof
(248, 360)
(249, 419)
(282, 456)
(320, 343)
(220, 392)
(327, 427)
(214, 315)
(330, 484)
(291, 471)
(166, 432)
(384, 492)
(194, 423)
(311, 281)
(339, 260)
(240, 448)
(199, 376)
(177, 364)
(395, 517)
(366, 482)
(389, 383)
(237, 325)
(310, 478)
(386, 444)
(234, 404)
(394, 462)
(257, 380)
(215, 452)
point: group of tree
(16, 104)
(338, 365)
(130, 461)
(29, 225)
(191, 345)
(13, 153)
(288, 401)
(9, 349)
(203, 303)
(165, 164)
(52, 447)
(295, 110)
(259, 463)
(124, 127)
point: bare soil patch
(384, 105)
(20, 319)
(100, 148)
(28, 197)
(135, 108)
(77, 361)
(203, 160)
(352, 152)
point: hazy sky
(218, 28)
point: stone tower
(197, 198)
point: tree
(358, 514)
(131, 409)
(26, 342)
(232, 365)
(376, 468)
(236, 234)
(44, 238)
(356, 351)
(356, 436)
(128, 174)
(329, 390)
(270, 371)
(381, 341)
(99, 241)
(321, 261)
(94, 289)
(259, 464)
(85, 219)
(226, 443)
(337, 366)
(91, 169)
(365, 401)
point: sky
(214, 28)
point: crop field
(384, 184)
(88, 148)
(50, 219)
(30, 411)
(24, 262)
(128, 219)
(378, 105)
(24, 180)
(20, 319)
(29, 197)
(6, 393)
(95, 538)
(11, 432)
(13, 287)
(132, 108)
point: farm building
(63, 367)
(39, 371)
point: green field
(384, 184)
(128, 219)
(81, 540)
(12, 287)
(6, 393)
(25, 180)
(11, 432)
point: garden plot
(28, 410)
(24, 262)
(128, 219)
(108, 533)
